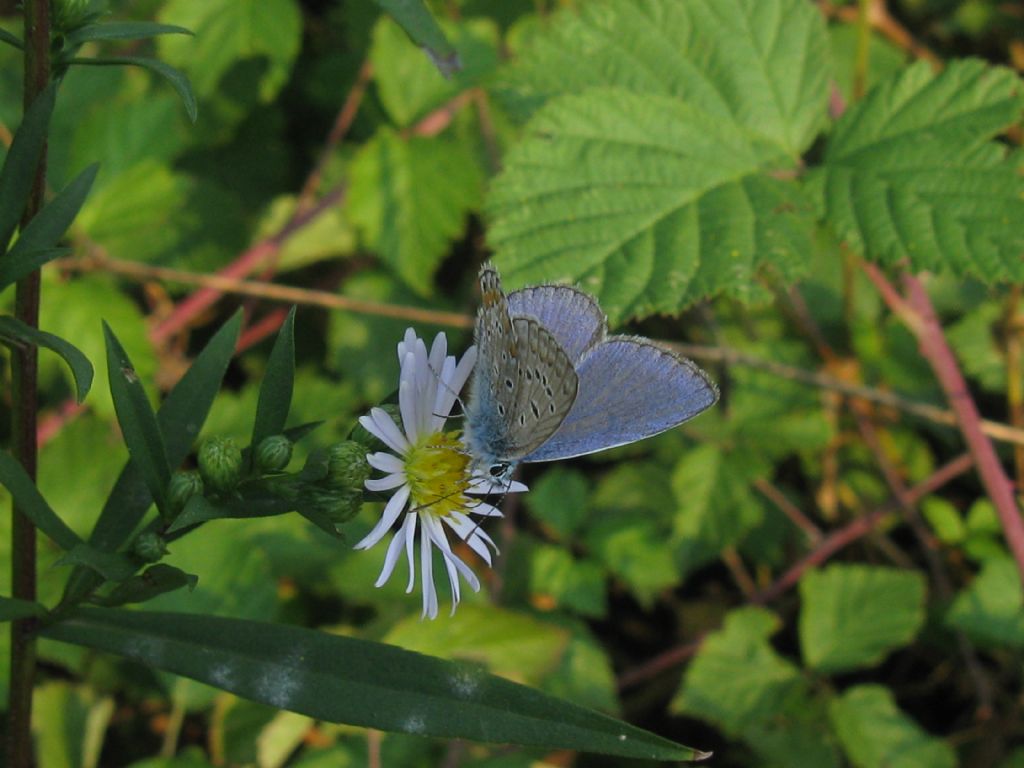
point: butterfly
(550, 383)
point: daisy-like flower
(429, 471)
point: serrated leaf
(715, 506)
(420, 25)
(276, 388)
(15, 332)
(31, 503)
(876, 734)
(975, 339)
(762, 64)
(853, 615)
(174, 76)
(910, 172)
(228, 32)
(122, 30)
(409, 86)
(991, 610)
(342, 679)
(19, 166)
(138, 422)
(402, 211)
(647, 201)
(35, 244)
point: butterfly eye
(499, 470)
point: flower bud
(220, 463)
(339, 504)
(347, 466)
(150, 547)
(274, 453)
(183, 486)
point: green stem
(24, 396)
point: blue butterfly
(550, 383)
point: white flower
(429, 471)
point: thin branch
(790, 510)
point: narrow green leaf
(420, 25)
(15, 332)
(180, 418)
(155, 580)
(110, 565)
(175, 77)
(14, 40)
(46, 228)
(10, 273)
(278, 382)
(346, 680)
(20, 165)
(122, 30)
(138, 422)
(853, 615)
(32, 504)
(12, 608)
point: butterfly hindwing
(629, 389)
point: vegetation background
(814, 573)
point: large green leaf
(410, 199)
(342, 679)
(910, 172)
(228, 32)
(876, 734)
(853, 615)
(760, 64)
(991, 609)
(647, 200)
(415, 19)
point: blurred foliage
(670, 157)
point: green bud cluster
(220, 463)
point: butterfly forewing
(572, 316)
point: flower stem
(25, 405)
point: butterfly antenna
(501, 499)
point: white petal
(483, 485)
(391, 512)
(385, 462)
(394, 549)
(427, 576)
(438, 350)
(385, 483)
(444, 395)
(388, 431)
(407, 406)
(407, 344)
(410, 535)
(483, 509)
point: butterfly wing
(573, 317)
(629, 389)
(523, 383)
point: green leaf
(155, 580)
(110, 565)
(402, 213)
(14, 332)
(69, 723)
(31, 503)
(11, 608)
(277, 385)
(876, 734)
(557, 579)
(122, 30)
(910, 172)
(409, 87)
(35, 244)
(853, 615)
(991, 610)
(138, 422)
(558, 500)
(19, 167)
(975, 338)
(759, 65)
(417, 22)
(346, 680)
(228, 32)
(647, 201)
(177, 78)
(12, 40)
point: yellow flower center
(436, 469)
